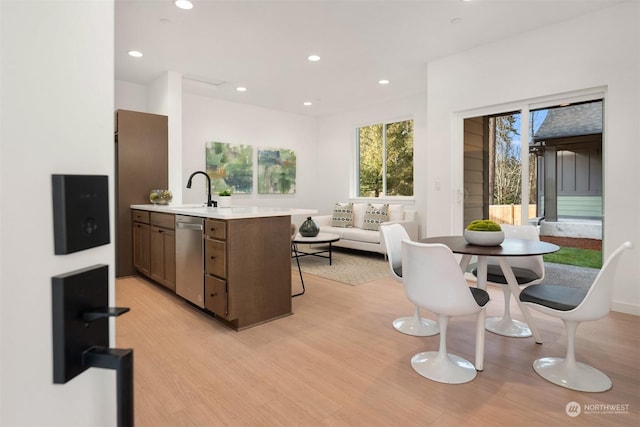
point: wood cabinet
(216, 298)
(215, 248)
(248, 269)
(141, 242)
(141, 152)
(154, 246)
(215, 268)
(247, 263)
(163, 249)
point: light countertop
(234, 212)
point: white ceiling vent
(200, 85)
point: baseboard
(622, 307)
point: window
(385, 159)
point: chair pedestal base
(449, 369)
(578, 377)
(417, 327)
(507, 327)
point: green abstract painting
(276, 171)
(230, 166)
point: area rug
(358, 267)
(349, 266)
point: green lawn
(574, 256)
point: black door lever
(122, 361)
(80, 321)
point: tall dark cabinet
(142, 147)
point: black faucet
(209, 201)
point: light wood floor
(338, 362)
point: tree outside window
(385, 159)
(505, 163)
(505, 167)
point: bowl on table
(484, 238)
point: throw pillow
(342, 215)
(374, 216)
(396, 212)
(358, 214)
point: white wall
(56, 117)
(600, 50)
(204, 119)
(207, 119)
(130, 96)
(165, 97)
(324, 146)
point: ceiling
(263, 45)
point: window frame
(355, 191)
(524, 107)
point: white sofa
(356, 237)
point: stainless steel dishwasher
(190, 259)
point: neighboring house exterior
(569, 168)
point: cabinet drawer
(215, 262)
(215, 296)
(163, 220)
(215, 229)
(140, 216)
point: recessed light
(307, 103)
(241, 89)
(184, 4)
(135, 53)
(313, 58)
(383, 82)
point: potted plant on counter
(484, 232)
(224, 200)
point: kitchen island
(233, 262)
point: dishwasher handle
(189, 226)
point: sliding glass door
(524, 165)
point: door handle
(80, 327)
(122, 361)
(189, 226)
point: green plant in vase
(484, 225)
(224, 199)
(484, 232)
